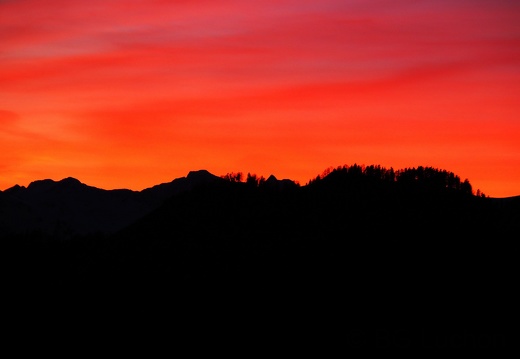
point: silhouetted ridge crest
(271, 179)
(273, 183)
(14, 190)
(202, 176)
(41, 185)
(70, 181)
(69, 207)
(49, 184)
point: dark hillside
(394, 251)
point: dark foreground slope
(340, 258)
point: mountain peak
(201, 176)
(41, 184)
(16, 188)
(272, 179)
(199, 173)
(49, 184)
(70, 181)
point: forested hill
(236, 216)
(412, 241)
(367, 211)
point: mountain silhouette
(412, 253)
(68, 208)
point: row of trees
(251, 179)
(429, 177)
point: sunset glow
(129, 94)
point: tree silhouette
(233, 176)
(254, 181)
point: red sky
(138, 92)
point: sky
(133, 93)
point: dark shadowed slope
(333, 218)
(344, 253)
(353, 251)
(204, 226)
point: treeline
(251, 179)
(427, 178)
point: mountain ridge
(195, 175)
(68, 207)
(412, 253)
